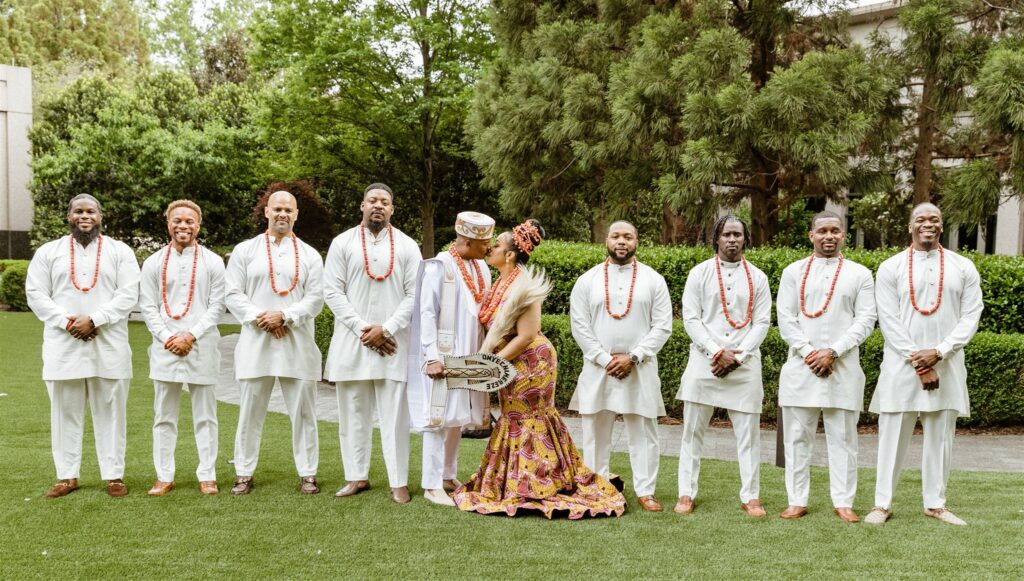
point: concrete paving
(973, 452)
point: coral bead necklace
(270, 262)
(95, 274)
(366, 256)
(828, 297)
(607, 294)
(910, 280)
(191, 284)
(497, 295)
(480, 287)
(750, 294)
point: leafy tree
(371, 92)
(139, 145)
(604, 105)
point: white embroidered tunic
(53, 298)
(359, 301)
(202, 365)
(846, 323)
(742, 390)
(642, 332)
(949, 329)
(258, 354)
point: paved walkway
(970, 452)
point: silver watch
(634, 358)
(387, 334)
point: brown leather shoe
(307, 485)
(352, 488)
(117, 488)
(649, 503)
(160, 488)
(847, 514)
(401, 495)
(684, 506)
(754, 509)
(209, 487)
(450, 485)
(794, 512)
(243, 485)
(63, 488)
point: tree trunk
(764, 216)
(927, 121)
(427, 122)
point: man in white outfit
(275, 289)
(826, 309)
(621, 316)
(449, 290)
(370, 285)
(727, 308)
(929, 306)
(182, 300)
(82, 287)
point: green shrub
(12, 285)
(995, 368)
(4, 263)
(1002, 277)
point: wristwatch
(834, 354)
(634, 358)
(387, 334)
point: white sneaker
(877, 516)
(945, 516)
(438, 497)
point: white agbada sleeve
(787, 308)
(430, 306)
(218, 285)
(582, 325)
(336, 288)
(127, 294)
(237, 301)
(863, 319)
(661, 323)
(150, 300)
(313, 301)
(39, 291)
(403, 314)
(970, 313)
(693, 312)
(761, 319)
(888, 303)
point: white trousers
(166, 403)
(108, 401)
(356, 402)
(440, 456)
(644, 455)
(894, 432)
(746, 427)
(799, 426)
(299, 396)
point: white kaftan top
(742, 390)
(642, 332)
(949, 329)
(202, 365)
(465, 407)
(359, 301)
(849, 320)
(258, 353)
(53, 298)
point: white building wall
(15, 161)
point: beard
(617, 260)
(375, 226)
(85, 238)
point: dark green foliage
(1001, 281)
(12, 284)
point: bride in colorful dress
(530, 462)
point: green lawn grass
(276, 533)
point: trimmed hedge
(1002, 277)
(12, 284)
(995, 365)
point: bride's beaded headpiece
(526, 236)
